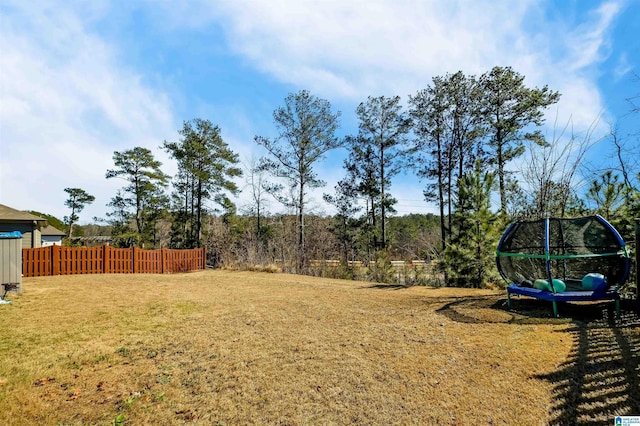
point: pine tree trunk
(301, 248)
(199, 215)
(382, 201)
(443, 228)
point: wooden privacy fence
(58, 260)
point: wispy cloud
(69, 96)
(623, 67)
(353, 49)
(67, 104)
(350, 50)
(588, 42)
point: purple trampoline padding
(569, 296)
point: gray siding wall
(31, 238)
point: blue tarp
(10, 235)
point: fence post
(55, 259)
(133, 259)
(204, 258)
(637, 263)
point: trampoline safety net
(565, 249)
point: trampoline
(563, 260)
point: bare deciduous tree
(551, 170)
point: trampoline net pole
(637, 248)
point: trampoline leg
(555, 309)
(509, 300)
(618, 308)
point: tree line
(466, 137)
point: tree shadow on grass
(601, 378)
(382, 286)
(494, 309)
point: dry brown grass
(221, 347)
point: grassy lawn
(219, 347)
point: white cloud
(353, 49)
(588, 43)
(623, 67)
(67, 96)
(349, 50)
(372, 46)
(67, 105)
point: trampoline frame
(570, 296)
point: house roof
(7, 214)
(50, 231)
(93, 239)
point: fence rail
(58, 260)
(398, 264)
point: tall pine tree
(377, 154)
(306, 128)
(206, 168)
(145, 180)
(78, 199)
(509, 108)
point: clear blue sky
(82, 79)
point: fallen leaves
(43, 381)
